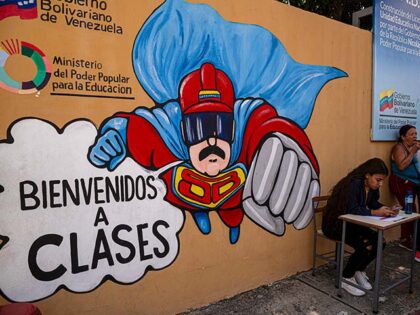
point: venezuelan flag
(386, 99)
(24, 9)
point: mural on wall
(235, 105)
(226, 135)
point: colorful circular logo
(43, 74)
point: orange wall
(208, 268)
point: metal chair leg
(314, 254)
(337, 262)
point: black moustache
(211, 150)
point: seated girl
(357, 193)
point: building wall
(208, 268)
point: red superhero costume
(149, 150)
(206, 101)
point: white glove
(280, 186)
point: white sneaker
(362, 279)
(351, 289)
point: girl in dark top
(357, 193)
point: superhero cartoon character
(235, 156)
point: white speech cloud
(52, 198)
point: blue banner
(396, 67)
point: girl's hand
(383, 212)
(396, 208)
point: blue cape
(179, 37)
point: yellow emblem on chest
(205, 191)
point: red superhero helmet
(206, 97)
(206, 90)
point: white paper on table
(385, 219)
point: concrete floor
(307, 294)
